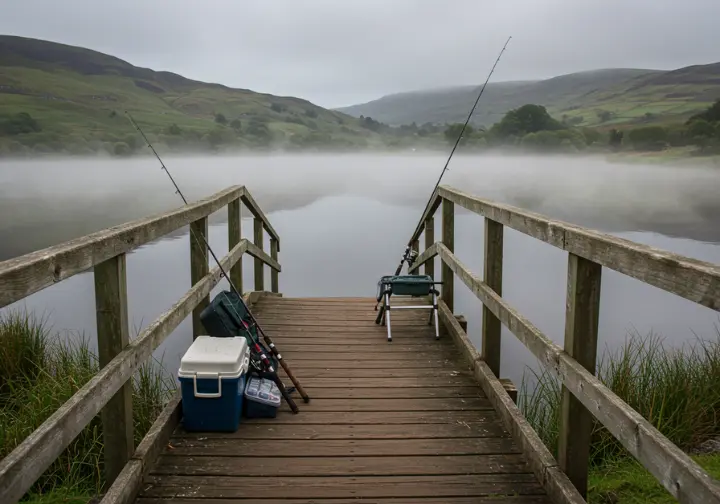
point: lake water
(344, 220)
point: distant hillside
(599, 97)
(76, 98)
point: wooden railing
(583, 395)
(109, 391)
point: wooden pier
(418, 420)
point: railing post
(429, 240)
(273, 272)
(415, 246)
(113, 337)
(259, 277)
(491, 326)
(581, 332)
(234, 237)
(199, 267)
(448, 239)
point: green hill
(76, 97)
(593, 98)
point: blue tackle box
(212, 378)
(262, 398)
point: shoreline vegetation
(676, 389)
(529, 129)
(39, 371)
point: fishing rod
(257, 347)
(409, 255)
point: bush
(17, 124)
(121, 149)
(651, 138)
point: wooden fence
(109, 392)
(583, 395)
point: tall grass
(39, 371)
(676, 389)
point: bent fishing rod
(254, 321)
(409, 255)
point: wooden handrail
(108, 391)
(696, 280)
(574, 365)
(27, 274)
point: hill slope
(608, 96)
(77, 96)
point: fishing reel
(411, 257)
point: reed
(39, 371)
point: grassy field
(39, 371)
(603, 97)
(676, 390)
(79, 97)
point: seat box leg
(387, 314)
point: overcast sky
(341, 52)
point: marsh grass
(39, 371)
(676, 389)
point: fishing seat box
(262, 398)
(212, 377)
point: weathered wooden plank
(696, 280)
(677, 472)
(339, 466)
(113, 336)
(205, 447)
(499, 486)
(24, 275)
(448, 239)
(318, 353)
(394, 404)
(261, 256)
(199, 267)
(258, 242)
(124, 489)
(417, 364)
(386, 382)
(413, 317)
(331, 340)
(234, 237)
(257, 212)
(399, 393)
(491, 326)
(21, 467)
(581, 335)
(477, 499)
(429, 240)
(274, 287)
(540, 459)
(310, 417)
(126, 486)
(306, 372)
(486, 425)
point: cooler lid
(216, 356)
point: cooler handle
(207, 394)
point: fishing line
(407, 253)
(258, 348)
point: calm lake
(344, 221)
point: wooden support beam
(258, 239)
(448, 239)
(491, 326)
(581, 333)
(234, 237)
(113, 337)
(199, 267)
(273, 272)
(429, 240)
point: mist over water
(344, 220)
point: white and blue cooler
(212, 378)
